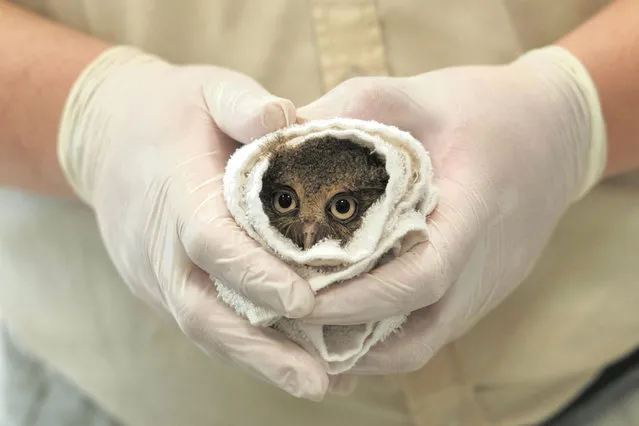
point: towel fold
(391, 226)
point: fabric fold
(392, 226)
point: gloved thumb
(245, 110)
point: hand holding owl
(145, 144)
(512, 147)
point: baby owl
(321, 189)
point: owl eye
(343, 207)
(284, 201)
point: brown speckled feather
(321, 178)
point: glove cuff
(588, 98)
(80, 130)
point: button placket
(349, 40)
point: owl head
(321, 189)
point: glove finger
(213, 241)
(381, 99)
(241, 264)
(408, 350)
(417, 278)
(262, 352)
(245, 110)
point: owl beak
(309, 231)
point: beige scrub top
(578, 311)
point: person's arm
(608, 46)
(39, 62)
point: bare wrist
(39, 61)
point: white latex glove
(512, 146)
(145, 144)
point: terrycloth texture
(393, 225)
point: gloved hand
(145, 144)
(512, 147)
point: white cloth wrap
(391, 226)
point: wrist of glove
(81, 144)
(563, 71)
